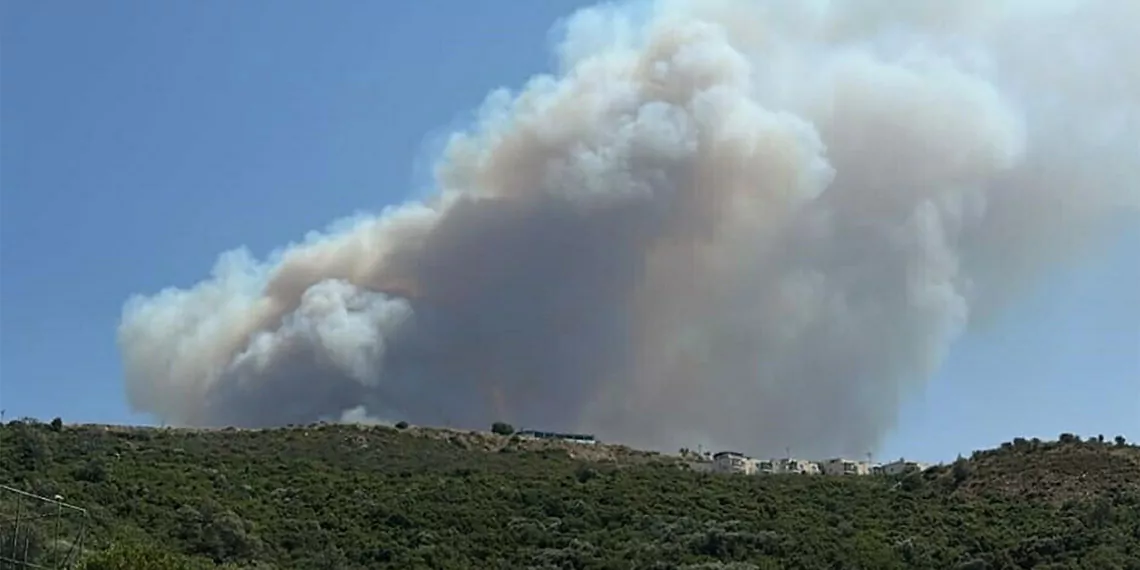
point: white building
(840, 466)
(733, 462)
(787, 465)
(902, 466)
(800, 466)
(702, 466)
(567, 437)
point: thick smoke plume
(755, 224)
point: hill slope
(328, 497)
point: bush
(93, 471)
(502, 428)
(401, 425)
(140, 557)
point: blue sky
(141, 139)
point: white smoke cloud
(758, 223)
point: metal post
(16, 529)
(76, 548)
(58, 521)
(27, 539)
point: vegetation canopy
(355, 497)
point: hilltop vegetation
(329, 497)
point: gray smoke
(759, 224)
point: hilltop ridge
(348, 496)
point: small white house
(840, 466)
(733, 462)
(766, 466)
(787, 465)
(902, 466)
(799, 466)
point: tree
(401, 425)
(30, 447)
(1120, 440)
(912, 482)
(502, 428)
(57, 425)
(961, 470)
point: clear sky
(138, 137)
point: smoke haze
(760, 224)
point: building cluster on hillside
(734, 462)
(558, 436)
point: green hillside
(331, 496)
